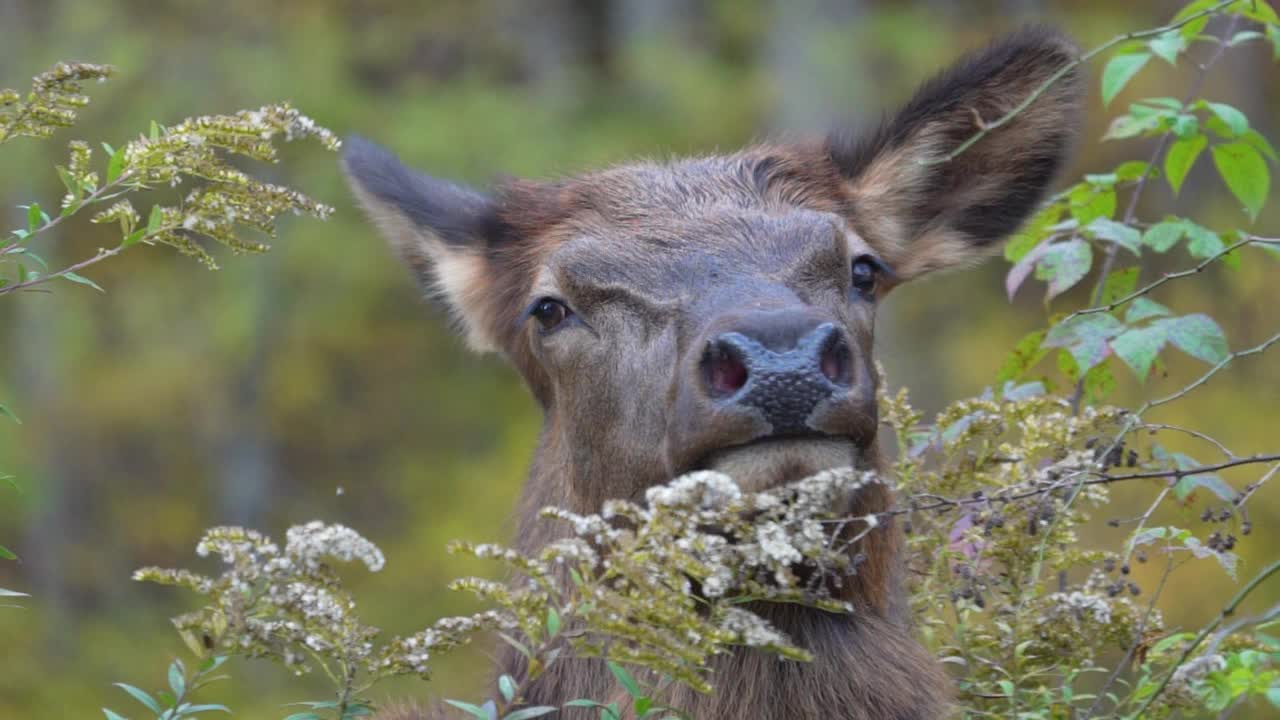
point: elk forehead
(695, 229)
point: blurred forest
(313, 382)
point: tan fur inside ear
(455, 275)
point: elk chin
(766, 464)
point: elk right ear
(439, 229)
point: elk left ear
(924, 211)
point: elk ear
(923, 211)
(439, 229)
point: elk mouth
(770, 462)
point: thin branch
(1250, 240)
(986, 127)
(1227, 611)
(1211, 372)
(1193, 433)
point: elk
(717, 313)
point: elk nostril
(836, 361)
(725, 372)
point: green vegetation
(1074, 552)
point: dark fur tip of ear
(454, 213)
(989, 81)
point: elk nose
(785, 384)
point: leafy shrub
(994, 491)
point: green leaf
(177, 678)
(1212, 483)
(1119, 71)
(625, 680)
(77, 278)
(1138, 348)
(1143, 309)
(7, 554)
(1168, 45)
(33, 217)
(155, 219)
(507, 687)
(1123, 235)
(1273, 34)
(1119, 284)
(308, 716)
(12, 593)
(1244, 36)
(141, 696)
(5, 411)
(553, 621)
(470, 709)
(1033, 233)
(1098, 382)
(530, 712)
(193, 709)
(1186, 126)
(1024, 356)
(115, 165)
(1255, 140)
(1063, 265)
(1198, 336)
(112, 715)
(1245, 173)
(1089, 203)
(1164, 235)
(1127, 126)
(1234, 119)
(1201, 241)
(1085, 337)
(133, 237)
(1181, 156)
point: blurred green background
(313, 382)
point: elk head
(719, 311)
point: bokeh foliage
(312, 382)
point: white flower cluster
(1080, 605)
(309, 543)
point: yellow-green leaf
(1119, 71)
(1245, 173)
(1181, 156)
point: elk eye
(865, 271)
(549, 313)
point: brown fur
(656, 260)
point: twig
(1211, 372)
(986, 127)
(1227, 611)
(1193, 433)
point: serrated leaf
(1180, 157)
(1201, 241)
(1212, 483)
(1245, 173)
(1085, 337)
(77, 278)
(1138, 348)
(1164, 235)
(1197, 335)
(1119, 71)
(1118, 284)
(1032, 233)
(1143, 309)
(530, 712)
(1168, 45)
(1089, 204)
(1255, 140)
(1123, 235)
(1024, 356)
(1063, 265)
(1233, 118)
(141, 696)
